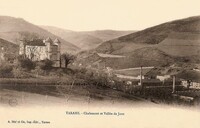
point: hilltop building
(38, 49)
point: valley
(106, 61)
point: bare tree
(67, 59)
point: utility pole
(60, 60)
(141, 82)
(141, 76)
(174, 84)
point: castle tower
(22, 47)
(58, 44)
(48, 42)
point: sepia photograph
(99, 63)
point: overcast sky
(100, 14)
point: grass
(74, 92)
(34, 81)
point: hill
(10, 49)
(162, 45)
(182, 33)
(146, 57)
(81, 40)
(106, 35)
(13, 29)
(86, 40)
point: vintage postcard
(99, 64)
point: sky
(85, 15)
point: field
(133, 71)
(34, 91)
(20, 95)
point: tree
(67, 58)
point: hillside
(182, 33)
(81, 40)
(141, 57)
(106, 35)
(13, 29)
(162, 45)
(10, 49)
(86, 40)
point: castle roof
(48, 39)
(35, 42)
(56, 40)
(40, 42)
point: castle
(38, 49)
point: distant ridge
(106, 35)
(86, 40)
(12, 29)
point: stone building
(38, 49)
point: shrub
(38, 71)
(93, 77)
(45, 64)
(18, 73)
(5, 70)
(56, 73)
(25, 63)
